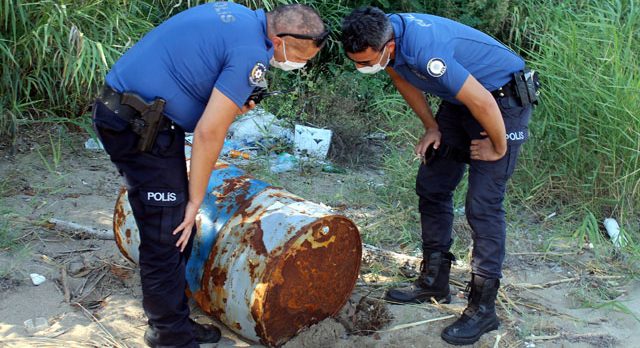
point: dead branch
(65, 284)
(77, 228)
(562, 281)
(373, 252)
(542, 253)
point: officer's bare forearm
(415, 98)
(485, 110)
(208, 139)
(490, 118)
(204, 155)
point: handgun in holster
(526, 86)
(148, 124)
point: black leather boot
(480, 315)
(204, 333)
(432, 282)
(201, 333)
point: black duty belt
(507, 90)
(523, 87)
(111, 99)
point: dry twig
(112, 340)
(562, 281)
(404, 326)
(65, 284)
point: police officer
(192, 73)
(483, 120)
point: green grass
(54, 54)
(585, 143)
(9, 235)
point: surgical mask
(286, 65)
(376, 67)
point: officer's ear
(277, 41)
(391, 46)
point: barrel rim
(280, 259)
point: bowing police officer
(192, 73)
(487, 96)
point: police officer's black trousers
(437, 180)
(157, 185)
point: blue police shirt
(222, 45)
(437, 55)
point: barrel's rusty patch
(205, 296)
(218, 276)
(252, 269)
(311, 281)
(287, 195)
(255, 235)
(119, 218)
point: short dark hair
(298, 19)
(365, 27)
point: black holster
(148, 124)
(526, 86)
(145, 119)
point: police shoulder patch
(256, 77)
(436, 67)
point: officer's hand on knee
(431, 136)
(483, 149)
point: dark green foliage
(55, 53)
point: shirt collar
(398, 32)
(262, 18)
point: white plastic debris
(313, 142)
(257, 127)
(37, 324)
(92, 144)
(37, 279)
(613, 230)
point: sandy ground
(81, 187)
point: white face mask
(286, 65)
(376, 67)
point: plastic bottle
(613, 230)
(284, 162)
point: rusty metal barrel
(265, 262)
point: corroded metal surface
(125, 229)
(265, 262)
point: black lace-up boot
(480, 315)
(432, 282)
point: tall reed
(585, 144)
(53, 54)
